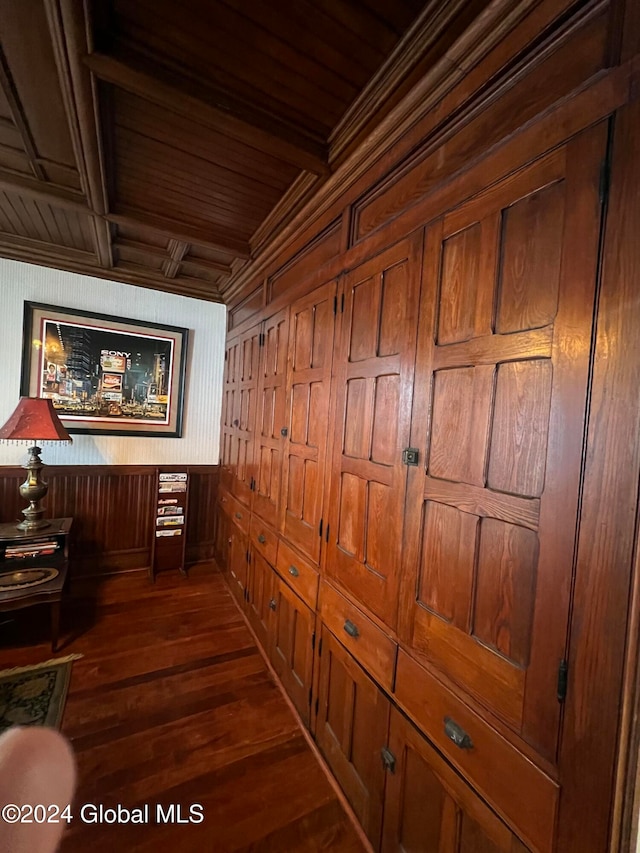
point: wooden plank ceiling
(148, 141)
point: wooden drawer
(238, 513)
(264, 539)
(366, 642)
(298, 573)
(519, 791)
(226, 479)
(225, 500)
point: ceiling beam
(207, 265)
(177, 251)
(218, 110)
(37, 251)
(140, 248)
(70, 39)
(77, 261)
(43, 191)
(17, 113)
(102, 241)
(221, 270)
(196, 288)
(208, 237)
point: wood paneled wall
(113, 509)
(486, 587)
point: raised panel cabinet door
(373, 387)
(237, 562)
(271, 417)
(242, 438)
(260, 597)
(311, 329)
(292, 647)
(351, 730)
(501, 393)
(429, 808)
(229, 403)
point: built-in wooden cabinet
(373, 369)
(308, 385)
(301, 575)
(237, 562)
(293, 642)
(276, 609)
(260, 601)
(351, 727)
(503, 366)
(221, 538)
(240, 395)
(428, 806)
(363, 638)
(410, 435)
(271, 424)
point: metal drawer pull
(272, 604)
(238, 515)
(293, 571)
(457, 734)
(262, 539)
(351, 629)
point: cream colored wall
(206, 323)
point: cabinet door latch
(388, 759)
(410, 456)
(563, 679)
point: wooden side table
(27, 557)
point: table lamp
(34, 421)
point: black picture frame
(105, 375)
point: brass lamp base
(33, 521)
(33, 490)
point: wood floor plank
(172, 703)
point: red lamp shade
(35, 420)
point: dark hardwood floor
(173, 704)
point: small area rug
(35, 695)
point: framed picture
(105, 375)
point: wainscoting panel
(113, 507)
(203, 493)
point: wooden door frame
(626, 809)
(625, 829)
(598, 728)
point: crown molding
(498, 19)
(422, 36)
(298, 194)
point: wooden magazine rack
(170, 521)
